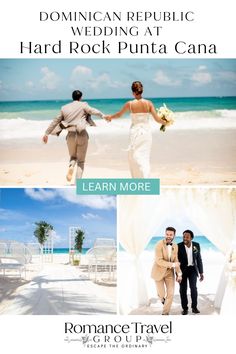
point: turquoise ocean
(46, 110)
(29, 119)
(205, 245)
(66, 250)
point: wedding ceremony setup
(54, 266)
(210, 210)
(33, 283)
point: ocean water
(205, 244)
(66, 250)
(41, 110)
(29, 119)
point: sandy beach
(56, 288)
(178, 157)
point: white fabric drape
(138, 217)
(228, 305)
(214, 213)
(212, 210)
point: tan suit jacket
(74, 113)
(162, 263)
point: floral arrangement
(167, 115)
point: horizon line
(113, 98)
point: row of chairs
(14, 256)
(101, 260)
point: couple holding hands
(76, 116)
(182, 262)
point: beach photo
(66, 119)
(177, 253)
(57, 253)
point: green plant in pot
(79, 240)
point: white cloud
(57, 238)
(40, 194)
(202, 67)
(50, 80)
(163, 79)
(91, 201)
(89, 216)
(68, 194)
(201, 76)
(80, 76)
(104, 80)
(81, 70)
(98, 201)
(83, 76)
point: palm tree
(42, 231)
(79, 239)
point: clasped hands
(107, 117)
(178, 276)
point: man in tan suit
(165, 266)
(74, 118)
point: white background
(214, 23)
(45, 334)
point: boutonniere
(195, 250)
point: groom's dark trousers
(189, 273)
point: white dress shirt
(189, 251)
(169, 249)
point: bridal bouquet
(167, 115)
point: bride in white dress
(140, 137)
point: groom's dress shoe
(195, 310)
(184, 312)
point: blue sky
(20, 208)
(96, 215)
(37, 79)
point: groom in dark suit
(189, 255)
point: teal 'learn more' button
(129, 186)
